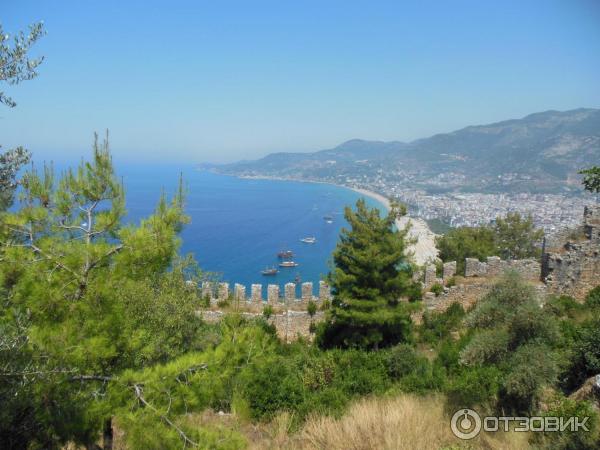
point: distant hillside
(541, 152)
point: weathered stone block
(475, 268)
(290, 292)
(207, 289)
(430, 275)
(223, 293)
(256, 293)
(529, 269)
(494, 266)
(273, 293)
(239, 292)
(449, 270)
(307, 291)
(324, 291)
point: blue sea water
(239, 225)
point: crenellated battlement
(217, 292)
(574, 269)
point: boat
(285, 254)
(309, 240)
(288, 264)
(270, 271)
(328, 219)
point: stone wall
(220, 292)
(289, 324)
(530, 269)
(574, 268)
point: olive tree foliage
(15, 66)
(512, 333)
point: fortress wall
(289, 325)
(574, 268)
(217, 292)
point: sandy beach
(424, 249)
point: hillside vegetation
(100, 339)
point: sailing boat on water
(269, 271)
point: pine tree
(83, 297)
(372, 274)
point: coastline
(424, 250)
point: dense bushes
(510, 237)
(99, 324)
(592, 299)
(437, 327)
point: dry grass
(404, 422)
(399, 423)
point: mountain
(541, 152)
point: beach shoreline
(424, 249)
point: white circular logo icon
(465, 424)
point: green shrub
(448, 357)
(567, 439)
(269, 387)
(403, 360)
(439, 268)
(563, 306)
(592, 299)
(532, 368)
(451, 282)
(438, 325)
(437, 289)
(585, 355)
(311, 308)
(361, 372)
(267, 312)
(474, 386)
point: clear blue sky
(221, 80)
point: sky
(218, 81)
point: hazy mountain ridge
(542, 151)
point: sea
(238, 225)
